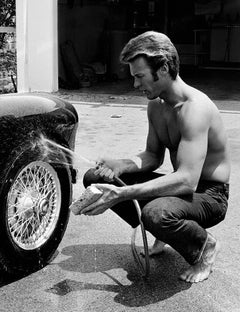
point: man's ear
(164, 69)
(161, 71)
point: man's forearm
(169, 185)
(142, 162)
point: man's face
(144, 80)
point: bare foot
(202, 269)
(156, 249)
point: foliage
(7, 12)
(8, 61)
(8, 66)
(7, 17)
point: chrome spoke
(34, 203)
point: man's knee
(152, 215)
(159, 214)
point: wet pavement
(93, 269)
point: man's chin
(150, 96)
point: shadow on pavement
(6, 279)
(162, 283)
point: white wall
(37, 45)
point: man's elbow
(156, 162)
(190, 184)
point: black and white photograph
(119, 155)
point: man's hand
(110, 197)
(108, 169)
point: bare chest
(167, 129)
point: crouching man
(177, 208)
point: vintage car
(37, 139)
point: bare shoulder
(197, 109)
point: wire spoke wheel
(33, 205)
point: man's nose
(136, 84)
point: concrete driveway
(94, 269)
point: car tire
(35, 196)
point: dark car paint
(25, 117)
(25, 104)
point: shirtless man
(177, 207)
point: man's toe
(183, 276)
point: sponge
(89, 196)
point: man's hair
(156, 48)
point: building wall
(36, 32)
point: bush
(8, 64)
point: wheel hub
(25, 206)
(43, 206)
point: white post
(37, 45)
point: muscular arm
(193, 123)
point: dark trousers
(179, 221)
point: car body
(38, 133)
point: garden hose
(145, 270)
